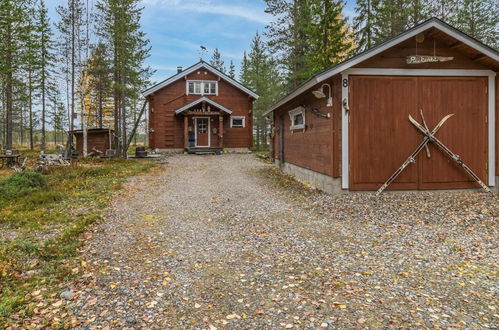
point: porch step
(204, 151)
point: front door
(202, 132)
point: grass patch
(63, 203)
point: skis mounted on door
(429, 136)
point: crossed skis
(430, 136)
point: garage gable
(450, 40)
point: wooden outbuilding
(98, 139)
(347, 128)
(200, 109)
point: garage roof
(195, 67)
(461, 37)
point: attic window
(297, 117)
(202, 87)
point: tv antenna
(202, 51)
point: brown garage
(359, 138)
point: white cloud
(212, 7)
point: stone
(67, 295)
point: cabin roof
(490, 56)
(193, 68)
(200, 100)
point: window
(237, 121)
(297, 117)
(202, 126)
(202, 87)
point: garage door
(381, 136)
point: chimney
(179, 69)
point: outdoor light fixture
(320, 94)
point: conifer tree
(259, 72)
(72, 43)
(232, 70)
(13, 35)
(100, 85)
(480, 19)
(216, 61)
(364, 23)
(288, 37)
(392, 18)
(46, 62)
(330, 37)
(120, 30)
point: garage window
(297, 117)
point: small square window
(297, 117)
(236, 122)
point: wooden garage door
(381, 136)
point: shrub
(20, 184)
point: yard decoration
(429, 136)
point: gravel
(228, 242)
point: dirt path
(210, 242)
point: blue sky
(176, 29)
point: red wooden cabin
(358, 133)
(199, 109)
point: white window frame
(237, 117)
(202, 83)
(292, 114)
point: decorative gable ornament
(418, 59)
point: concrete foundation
(315, 179)
(237, 150)
(170, 151)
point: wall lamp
(320, 94)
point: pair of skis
(429, 136)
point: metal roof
(193, 68)
(338, 68)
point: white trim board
(431, 23)
(208, 131)
(194, 68)
(420, 72)
(203, 99)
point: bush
(20, 184)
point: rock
(67, 295)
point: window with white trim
(237, 122)
(297, 117)
(202, 87)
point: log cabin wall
(317, 147)
(167, 128)
(97, 140)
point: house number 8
(345, 82)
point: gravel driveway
(227, 242)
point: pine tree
(100, 86)
(391, 19)
(259, 72)
(479, 19)
(232, 70)
(119, 28)
(46, 62)
(216, 61)
(72, 43)
(288, 37)
(330, 37)
(365, 23)
(13, 35)
(446, 10)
